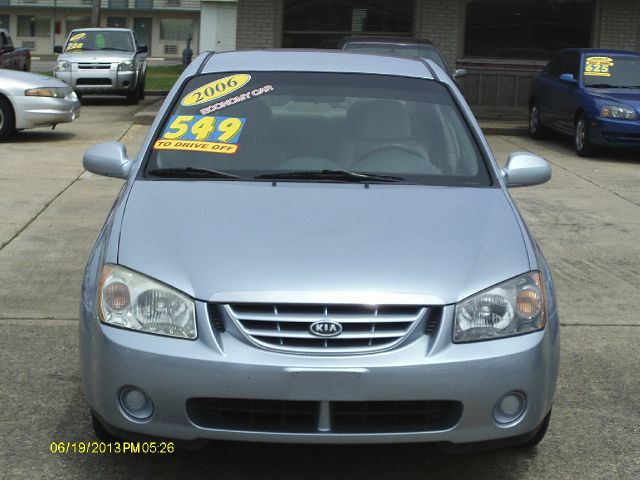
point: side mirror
(142, 49)
(567, 77)
(108, 159)
(460, 72)
(524, 169)
(57, 49)
(7, 48)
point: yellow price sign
(216, 89)
(200, 128)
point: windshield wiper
(114, 48)
(189, 172)
(603, 85)
(330, 175)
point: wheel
(583, 145)
(542, 431)
(102, 433)
(141, 93)
(536, 129)
(132, 97)
(7, 118)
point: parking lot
(587, 220)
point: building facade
(164, 26)
(502, 43)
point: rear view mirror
(567, 77)
(460, 72)
(524, 169)
(108, 159)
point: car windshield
(612, 71)
(407, 51)
(331, 127)
(99, 40)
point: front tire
(133, 97)
(141, 93)
(582, 141)
(542, 431)
(7, 119)
(536, 129)
(100, 431)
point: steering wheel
(414, 151)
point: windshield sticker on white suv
(203, 134)
(78, 36)
(256, 92)
(216, 89)
(598, 66)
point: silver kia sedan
(29, 100)
(318, 247)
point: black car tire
(581, 140)
(542, 431)
(141, 93)
(7, 119)
(100, 431)
(133, 97)
(537, 130)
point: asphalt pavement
(587, 220)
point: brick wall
(258, 24)
(619, 27)
(441, 22)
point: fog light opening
(136, 403)
(509, 408)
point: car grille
(93, 81)
(286, 416)
(94, 66)
(287, 327)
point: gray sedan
(29, 100)
(318, 247)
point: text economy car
(401, 47)
(317, 247)
(592, 95)
(29, 100)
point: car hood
(110, 56)
(22, 80)
(616, 96)
(219, 240)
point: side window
(555, 67)
(573, 66)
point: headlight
(63, 66)
(131, 300)
(611, 111)
(55, 92)
(126, 66)
(511, 308)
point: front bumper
(45, 111)
(99, 80)
(222, 365)
(612, 132)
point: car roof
(330, 61)
(600, 51)
(102, 29)
(387, 39)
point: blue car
(593, 95)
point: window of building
(177, 29)
(74, 22)
(119, 4)
(4, 21)
(526, 29)
(34, 26)
(117, 22)
(322, 23)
